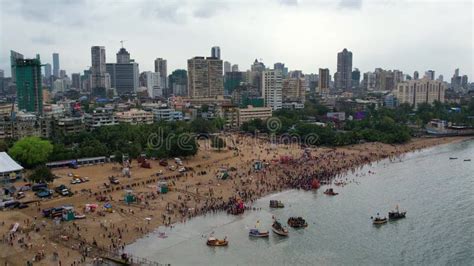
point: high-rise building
(440, 78)
(152, 83)
(2, 74)
(62, 74)
(205, 77)
(419, 91)
(272, 88)
(281, 67)
(123, 76)
(416, 75)
(13, 57)
(369, 81)
(324, 81)
(162, 68)
(56, 65)
(227, 66)
(216, 52)
(76, 81)
(232, 80)
(343, 77)
(98, 71)
(47, 71)
(464, 82)
(28, 84)
(235, 68)
(123, 57)
(355, 78)
(294, 89)
(179, 82)
(430, 74)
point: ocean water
(438, 194)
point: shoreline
(128, 223)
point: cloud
(59, 12)
(208, 9)
(168, 11)
(288, 2)
(42, 39)
(350, 4)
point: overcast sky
(304, 34)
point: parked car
(25, 187)
(20, 195)
(9, 204)
(22, 206)
(114, 180)
(39, 186)
(182, 169)
(45, 193)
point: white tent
(8, 167)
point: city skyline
(323, 32)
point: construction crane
(122, 41)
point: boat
(276, 204)
(278, 229)
(254, 232)
(379, 220)
(453, 158)
(214, 242)
(396, 214)
(467, 160)
(297, 222)
(330, 192)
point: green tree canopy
(42, 174)
(31, 151)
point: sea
(437, 192)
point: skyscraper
(355, 78)
(76, 81)
(430, 74)
(179, 82)
(205, 77)
(28, 85)
(13, 57)
(123, 57)
(227, 66)
(216, 52)
(56, 65)
(282, 68)
(324, 80)
(162, 68)
(272, 88)
(416, 75)
(98, 75)
(294, 89)
(235, 68)
(343, 77)
(47, 71)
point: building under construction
(28, 85)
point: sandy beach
(197, 191)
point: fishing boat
(254, 232)
(214, 242)
(297, 222)
(396, 214)
(453, 158)
(467, 160)
(330, 192)
(278, 229)
(379, 220)
(276, 204)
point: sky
(304, 34)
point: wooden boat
(297, 222)
(257, 233)
(278, 229)
(396, 214)
(379, 221)
(276, 204)
(330, 192)
(214, 242)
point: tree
(218, 143)
(42, 174)
(31, 151)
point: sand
(103, 231)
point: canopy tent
(9, 169)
